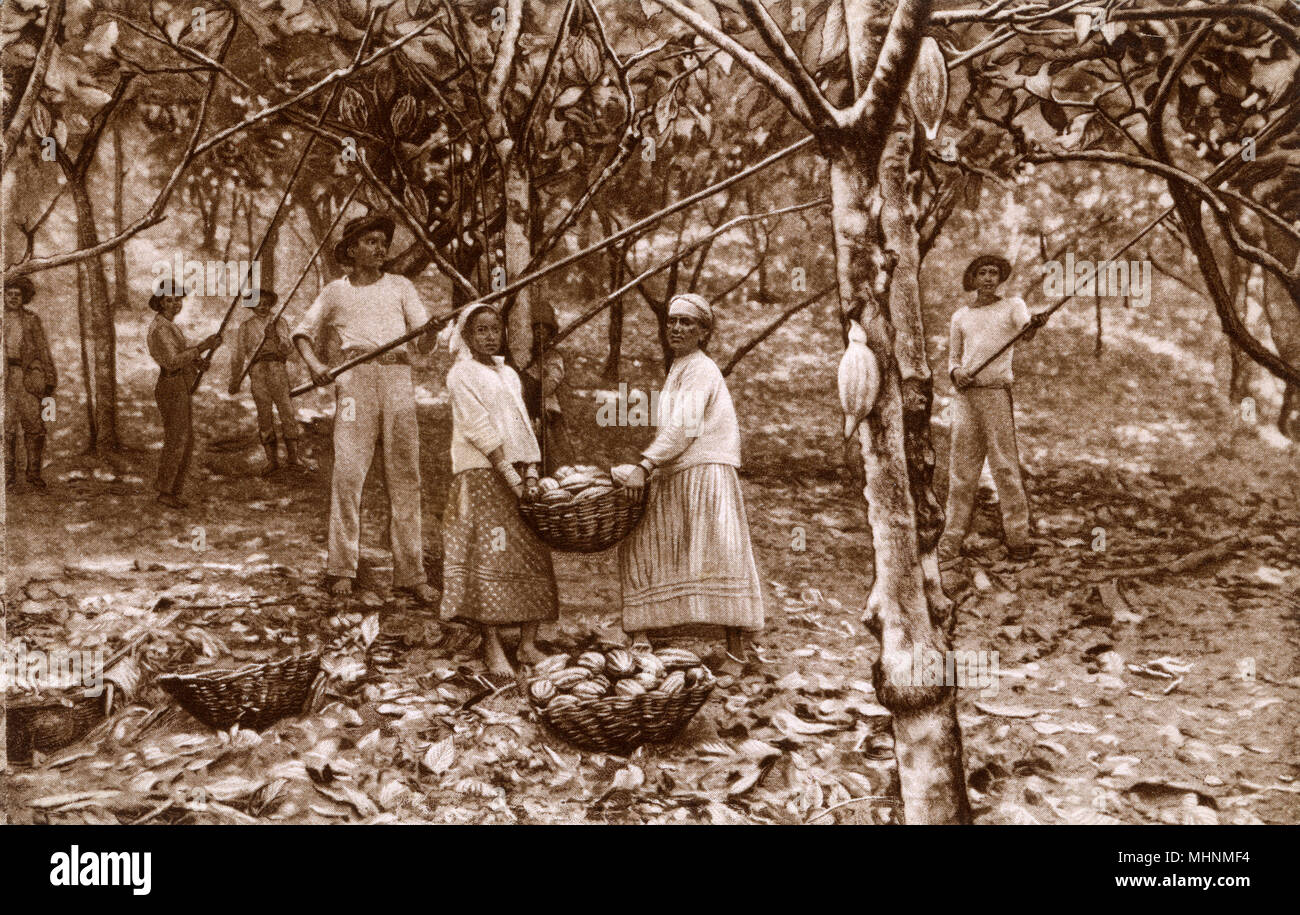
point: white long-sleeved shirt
(976, 333)
(487, 412)
(696, 418)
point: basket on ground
(50, 723)
(254, 695)
(585, 525)
(620, 724)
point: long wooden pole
(1222, 172)
(288, 187)
(541, 272)
(266, 333)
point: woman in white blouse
(496, 571)
(690, 560)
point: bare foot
(421, 593)
(529, 653)
(639, 641)
(738, 646)
(495, 657)
(341, 587)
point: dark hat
(984, 260)
(543, 313)
(26, 286)
(264, 297)
(358, 227)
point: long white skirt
(690, 559)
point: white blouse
(487, 412)
(696, 418)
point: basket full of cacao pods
(580, 509)
(614, 701)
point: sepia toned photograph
(631, 412)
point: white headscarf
(453, 335)
(692, 305)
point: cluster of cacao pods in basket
(575, 484)
(562, 680)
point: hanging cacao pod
(385, 85)
(929, 86)
(403, 115)
(859, 379)
(352, 105)
(587, 59)
(41, 121)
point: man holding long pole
(983, 421)
(373, 401)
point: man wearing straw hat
(29, 377)
(374, 401)
(983, 418)
(268, 377)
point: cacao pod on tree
(41, 121)
(352, 105)
(929, 86)
(403, 116)
(859, 379)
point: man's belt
(392, 357)
(268, 357)
(17, 362)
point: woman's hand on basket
(635, 481)
(531, 490)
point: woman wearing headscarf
(496, 571)
(690, 560)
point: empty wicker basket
(254, 695)
(50, 723)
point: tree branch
(36, 81)
(755, 65)
(771, 328)
(872, 114)
(503, 63)
(776, 42)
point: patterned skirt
(495, 569)
(690, 559)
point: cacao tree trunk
(121, 289)
(1281, 304)
(518, 249)
(84, 336)
(899, 611)
(100, 314)
(907, 609)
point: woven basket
(620, 724)
(255, 695)
(587, 525)
(50, 724)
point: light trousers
(984, 426)
(269, 380)
(374, 402)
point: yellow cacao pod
(929, 86)
(859, 379)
